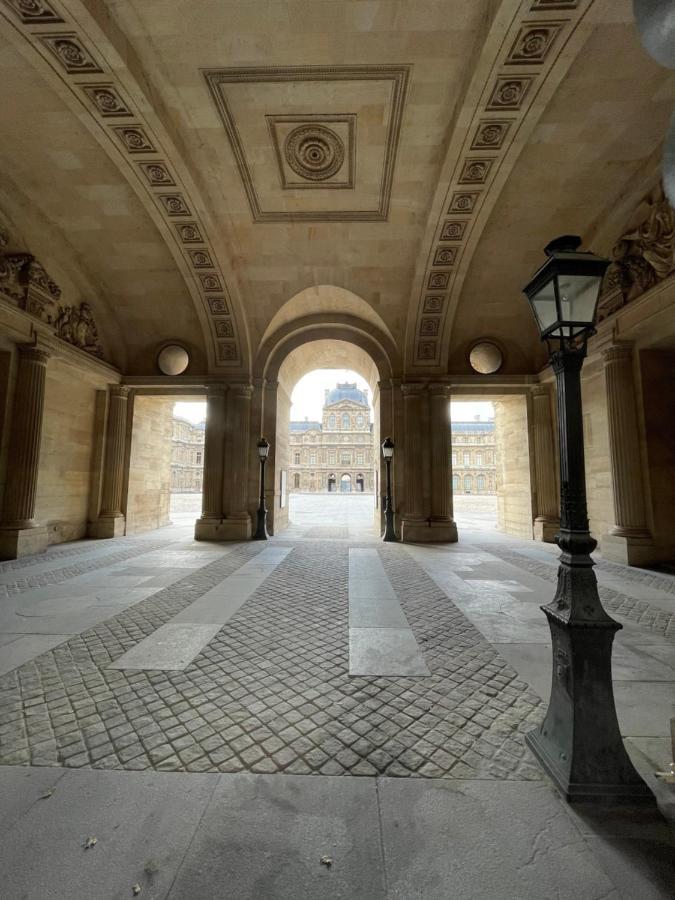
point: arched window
(480, 483)
(296, 480)
(345, 421)
(346, 484)
(331, 420)
(468, 484)
(455, 483)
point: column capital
(620, 350)
(412, 388)
(33, 353)
(440, 390)
(244, 391)
(119, 390)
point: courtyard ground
(317, 716)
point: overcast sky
(308, 396)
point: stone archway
(346, 483)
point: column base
(630, 549)
(18, 542)
(223, 529)
(545, 530)
(107, 527)
(423, 531)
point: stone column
(111, 521)
(629, 541)
(415, 524)
(547, 520)
(208, 526)
(237, 525)
(443, 527)
(20, 535)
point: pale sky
(308, 396)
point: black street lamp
(388, 454)
(261, 528)
(579, 743)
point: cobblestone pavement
(271, 692)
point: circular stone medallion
(314, 152)
(173, 359)
(486, 358)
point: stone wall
(596, 448)
(514, 497)
(149, 490)
(657, 368)
(68, 437)
(7, 385)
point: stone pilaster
(443, 526)
(630, 540)
(237, 525)
(547, 520)
(20, 535)
(111, 520)
(209, 526)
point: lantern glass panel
(578, 297)
(387, 449)
(544, 306)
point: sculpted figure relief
(642, 257)
(77, 327)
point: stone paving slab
(385, 651)
(172, 647)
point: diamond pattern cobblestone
(271, 691)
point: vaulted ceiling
(191, 167)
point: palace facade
(474, 461)
(335, 454)
(187, 456)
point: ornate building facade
(187, 456)
(474, 461)
(335, 454)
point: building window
(468, 484)
(331, 456)
(454, 459)
(479, 458)
(345, 458)
(296, 457)
(331, 420)
(359, 457)
(359, 420)
(312, 458)
(296, 480)
(345, 421)
(480, 483)
(199, 458)
(455, 483)
(467, 459)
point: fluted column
(547, 520)
(629, 541)
(111, 520)
(20, 534)
(206, 527)
(442, 522)
(237, 524)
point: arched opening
(360, 484)
(346, 483)
(322, 342)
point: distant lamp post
(579, 743)
(261, 528)
(388, 454)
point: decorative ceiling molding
(328, 145)
(508, 84)
(77, 59)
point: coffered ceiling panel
(313, 143)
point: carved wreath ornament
(314, 152)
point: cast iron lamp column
(261, 527)
(388, 454)
(579, 743)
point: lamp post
(261, 529)
(388, 454)
(579, 743)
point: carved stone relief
(76, 326)
(642, 257)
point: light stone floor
(233, 774)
